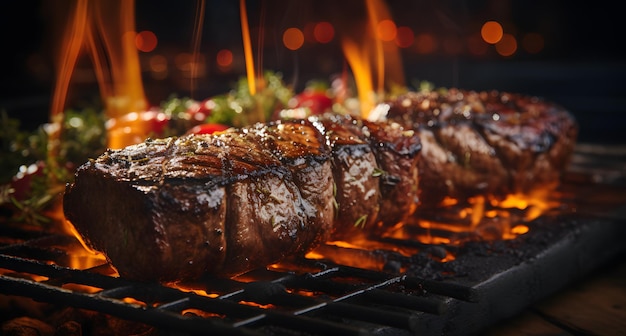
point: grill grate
(164, 306)
(487, 282)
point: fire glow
(106, 30)
(375, 64)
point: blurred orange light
(405, 37)
(224, 58)
(293, 38)
(425, 43)
(476, 45)
(183, 61)
(533, 43)
(146, 41)
(386, 30)
(491, 32)
(323, 32)
(507, 45)
(158, 66)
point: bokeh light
(507, 46)
(405, 37)
(146, 41)
(425, 43)
(491, 32)
(386, 30)
(323, 32)
(293, 38)
(224, 59)
(158, 67)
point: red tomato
(21, 182)
(318, 102)
(207, 128)
(155, 120)
(199, 111)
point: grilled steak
(485, 143)
(226, 203)
(178, 208)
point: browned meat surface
(172, 209)
(224, 204)
(377, 161)
(487, 143)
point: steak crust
(485, 143)
(179, 208)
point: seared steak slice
(485, 143)
(140, 206)
(396, 150)
(301, 148)
(178, 208)
(377, 160)
(357, 188)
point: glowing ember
(254, 304)
(134, 301)
(199, 312)
(201, 292)
(81, 288)
(451, 224)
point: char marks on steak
(485, 143)
(226, 203)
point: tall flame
(106, 30)
(247, 47)
(373, 62)
(197, 38)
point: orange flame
(247, 47)
(363, 54)
(106, 29)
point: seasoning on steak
(485, 143)
(226, 203)
(375, 172)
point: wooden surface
(595, 305)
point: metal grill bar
(164, 305)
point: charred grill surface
(178, 208)
(485, 143)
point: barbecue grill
(354, 291)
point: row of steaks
(179, 208)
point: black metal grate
(487, 282)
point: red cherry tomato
(22, 181)
(199, 111)
(155, 120)
(207, 128)
(316, 101)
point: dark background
(581, 66)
